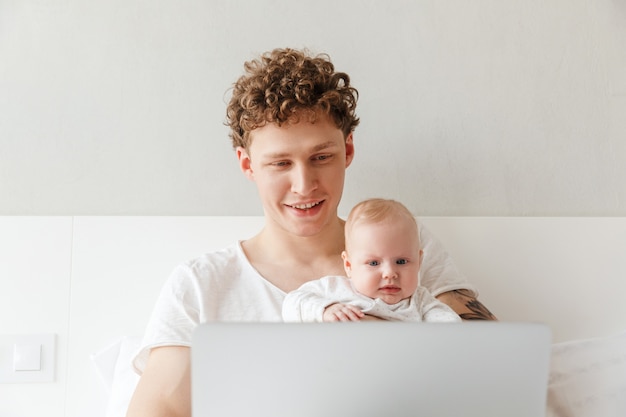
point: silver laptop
(388, 369)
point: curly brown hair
(284, 85)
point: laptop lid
(393, 369)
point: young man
(292, 118)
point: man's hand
(342, 312)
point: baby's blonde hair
(377, 210)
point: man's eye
(323, 157)
(401, 261)
(280, 163)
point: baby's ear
(347, 266)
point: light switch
(27, 357)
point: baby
(382, 259)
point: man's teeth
(305, 206)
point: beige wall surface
(469, 108)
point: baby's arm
(342, 312)
(325, 299)
(307, 303)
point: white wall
(35, 265)
(91, 280)
(477, 107)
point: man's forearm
(466, 305)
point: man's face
(299, 171)
(384, 259)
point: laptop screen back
(370, 369)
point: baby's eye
(402, 261)
(372, 263)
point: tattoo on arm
(477, 311)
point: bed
(107, 271)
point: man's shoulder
(225, 255)
(221, 262)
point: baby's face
(384, 259)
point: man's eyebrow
(316, 148)
(322, 146)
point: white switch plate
(27, 357)
(30, 344)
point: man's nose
(304, 180)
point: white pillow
(104, 360)
(588, 378)
(113, 364)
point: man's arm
(164, 389)
(466, 305)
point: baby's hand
(342, 312)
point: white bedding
(587, 377)
(113, 366)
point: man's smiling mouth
(306, 206)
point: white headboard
(92, 279)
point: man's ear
(349, 149)
(347, 266)
(245, 162)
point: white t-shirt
(307, 303)
(224, 286)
